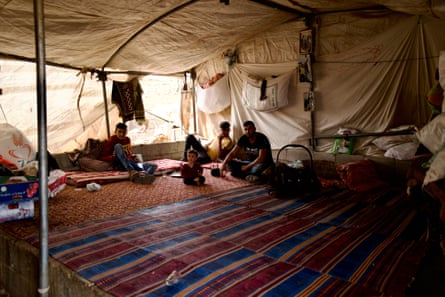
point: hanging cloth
(128, 97)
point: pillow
(404, 151)
(91, 164)
(93, 147)
(437, 168)
(360, 176)
(386, 142)
(432, 135)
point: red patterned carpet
(76, 205)
(243, 242)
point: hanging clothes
(128, 97)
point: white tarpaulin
(166, 36)
(376, 81)
(215, 98)
(372, 61)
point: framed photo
(304, 69)
(309, 101)
(306, 41)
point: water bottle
(173, 278)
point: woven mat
(243, 242)
(76, 205)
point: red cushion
(360, 176)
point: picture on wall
(304, 69)
(306, 42)
(309, 101)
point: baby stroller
(292, 178)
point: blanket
(82, 178)
(242, 242)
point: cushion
(432, 135)
(386, 142)
(404, 151)
(437, 168)
(360, 176)
(90, 164)
(93, 147)
(81, 178)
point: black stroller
(293, 178)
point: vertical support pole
(193, 77)
(103, 79)
(195, 125)
(313, 140)
(42, 144)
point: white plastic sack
(14, 146)
(276, 93)
(215, 98)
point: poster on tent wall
(306, 41)
(15, 148)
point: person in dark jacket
(257, 147)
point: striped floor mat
(242, 242)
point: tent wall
(75, 105)
(68, 126)
(371, 72)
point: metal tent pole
(103, 79)
(42, 145)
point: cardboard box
(16, 210)
(18, 190)
(17, 196)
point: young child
(191, 171)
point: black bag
(287, 180)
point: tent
(371, 62)
(367, 64)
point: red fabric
(81, 179)
(166, 164)
(360, 176)
(191, 172)
(331, 182)
(7, 164)
(106, 154)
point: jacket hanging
(128, 97)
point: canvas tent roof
(168, 36)
(374, 60)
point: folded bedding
(82, 178)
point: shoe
(132, 174)
(252, 178)
(144, 179)
(91, 187)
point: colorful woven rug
(75, 205)
(242, 242)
